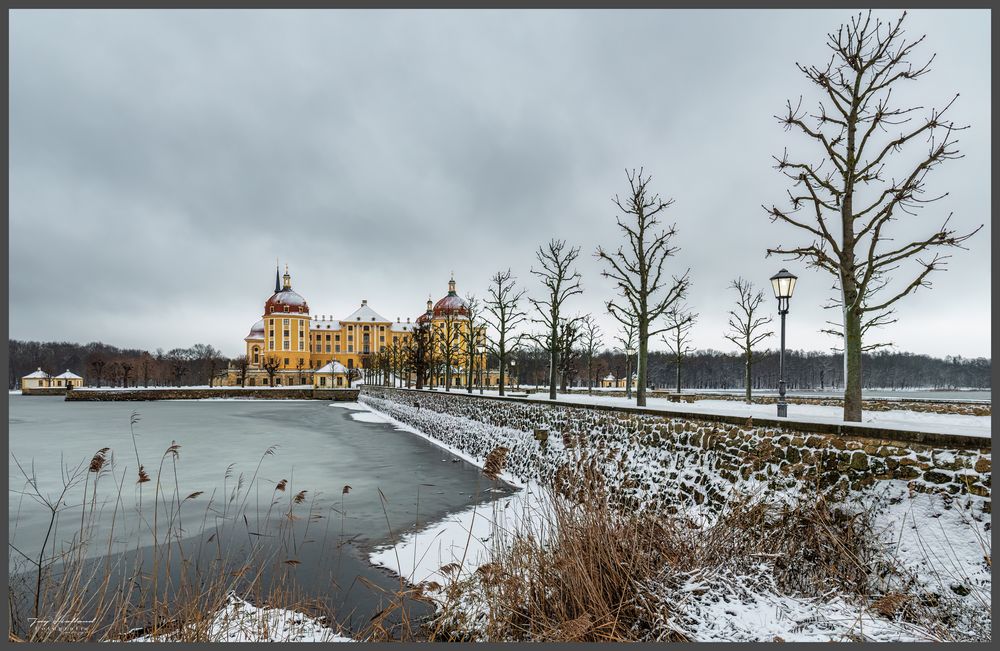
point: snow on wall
(672, 463)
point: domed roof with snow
(38, 374)
(284, 300)
(69, 375)
(451, 304)
(256, 331)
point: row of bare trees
(845, 200)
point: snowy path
(898, 419)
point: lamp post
(513, 363)
(783, 284)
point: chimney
(364, 302)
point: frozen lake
(320, 449)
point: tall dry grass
(588, 570)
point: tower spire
(451, 285)
(287, 278)
(277, 279)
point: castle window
(382, 338)
(286, 332)
(328, 336)
(270, 333)
(286, 308)
(285, 347)
(286, 361)
(350, 349)
(340, 381)
(328, 348)
(366, 328)
(337, 348)
(335, 338)
(270, 345)
(301, 345)
(284, 322)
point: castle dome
(451, 304)
(256, 331)
(284, 300)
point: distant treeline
(104, 365)
(712, 369)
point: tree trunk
(503, 360)
(554, 358)
(852, 351)
(747, 380)
(640, 388)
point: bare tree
(448, 340)
(850, 189)
(241, 364)
(678, 336)
(422, 351)
(746, 327)
(570, 333)
(126, 366)
(560, 282)
(97, 363)
(471, 338)
(590, 341)
(270, 364)
(627, 338)
(646, 295)
(503, 305)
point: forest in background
(104, 365)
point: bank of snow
(241, 621)
(826, 414)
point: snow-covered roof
(365, 313)
(332, 367)
(402, 327)
(38, 374)
(256, 331)
(68, 375)
(324, 324)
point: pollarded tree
(626, 337)
(678, 336)
(746, 326)
(646, 294)
(472, 338)
(590, 342)
(570, 333)
(561, 281)
(270, 365)
(846, 198)
(503, 305)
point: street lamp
(783, 284)
(513, 363)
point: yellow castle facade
(290, 346)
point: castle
(289, 346)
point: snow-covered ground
(910, 420)
(240, 621)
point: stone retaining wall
(44, 391)
(182, 393)
(670, 460)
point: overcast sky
(161, 160)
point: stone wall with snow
(693, 461)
